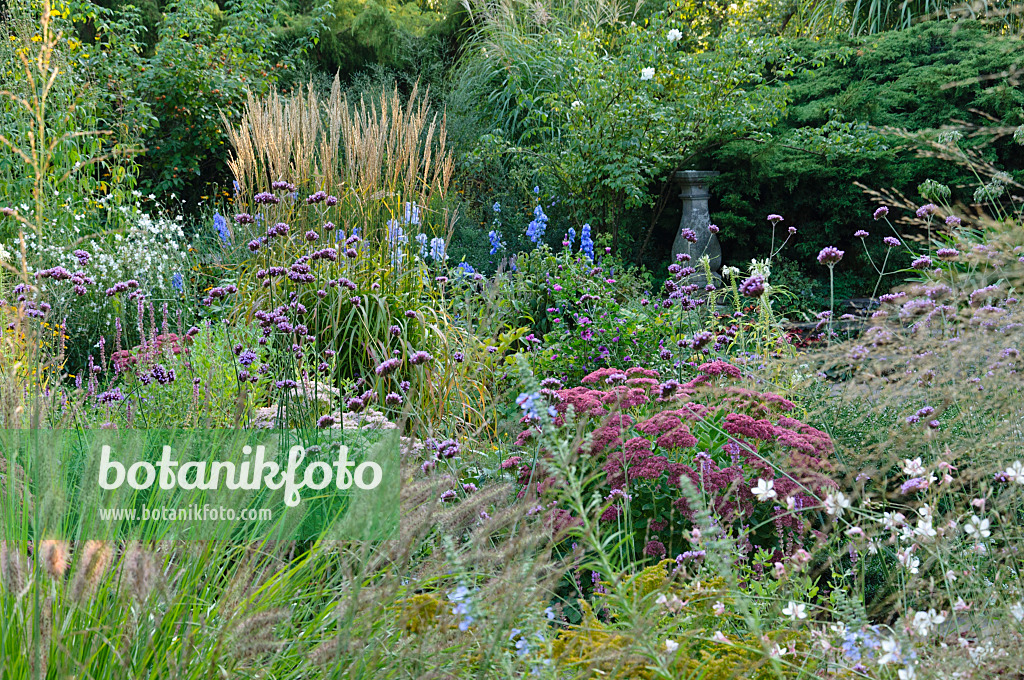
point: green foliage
(197, 73)
(58, 158)
(834, 135)
(206, 390)
(876, 16)
(600, 110)
(404, 41)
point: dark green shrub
(807, 171)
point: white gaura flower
(795, 610)
(925, 529)
(890, 651)
(977, 528)
(836, 503)
(1015, 473)
(907, 559)
(893, 520)
(673, 604)
(923, 622)
(1017, 611)
(576, 104)
(764, 490)
(674, 35)
(671, 646)
(647, 73)
(906, 673)
(719, 636)
(913, 468)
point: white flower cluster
(151, 251)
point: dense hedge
(892, 79)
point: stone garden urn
(693, 189)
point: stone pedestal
(694, 192)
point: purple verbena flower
(753, 287)
(388, 366)
(830, 255)
(923, 262)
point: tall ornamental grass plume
(339, 250)
(926, 411)
(462, 589)
(384, 153)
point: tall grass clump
(339, 249)
(925, 408)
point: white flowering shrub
(151, 252)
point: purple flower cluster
(923, 262)
(830, 255)
(420, 357)
(753, 286)
(265, 197)
(279, 229)
(122, 286)
(388, 366)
